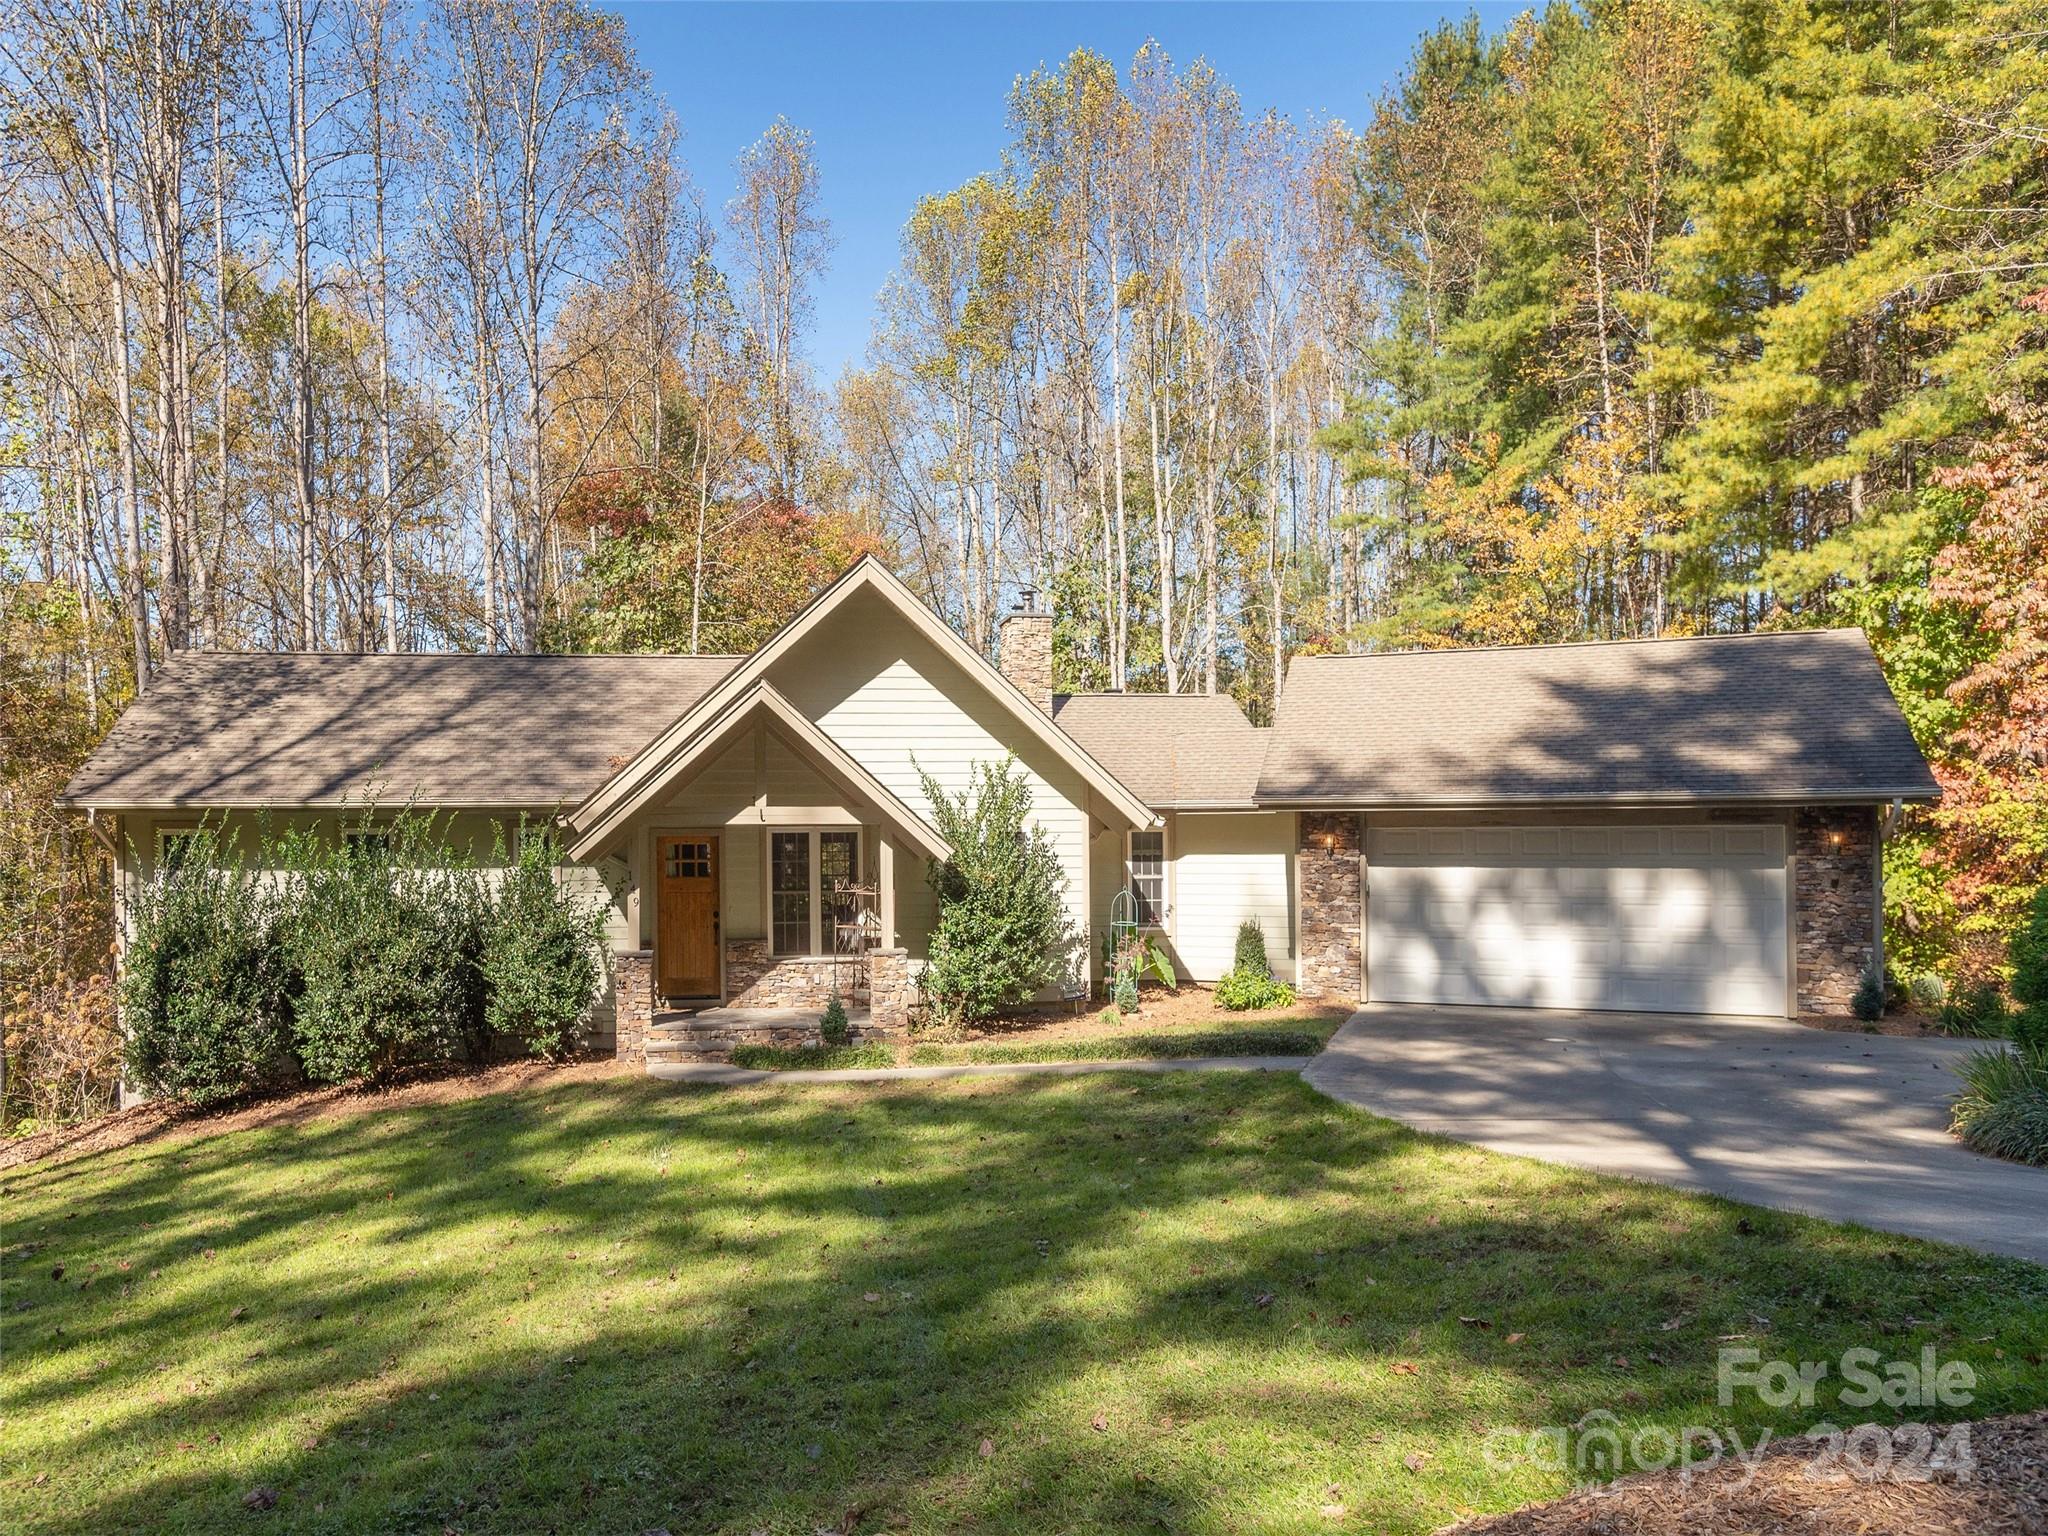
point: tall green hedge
(539, 954)
(350, 961)
(205, 997)
(386, 936)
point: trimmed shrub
(1868, 1003)
(204, 993)
(1247, 991)
(1250, 956)
(1250, 985)
(2003, 1108)
(1002, 931)
(1123, 991)
(538, 960)
(387, 936)
(832, 1027)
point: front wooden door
(686, 950)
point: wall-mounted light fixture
(1835, 838)
(1329, 842)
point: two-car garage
(1665, 918)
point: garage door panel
(1677, 919)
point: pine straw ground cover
(1211, 1302)
(1805, 1486)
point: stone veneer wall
(756, 979)
(1329, 872)
(890, 990)
(1834, 903)
(633, 998)
(1025, 648)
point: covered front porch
(763, 872)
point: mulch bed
(2004, 1494)
(1187, 1004)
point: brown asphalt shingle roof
(1171, 750)
(1786, 716)
(1780, 716)
(290, 730)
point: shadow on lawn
(848, 1290)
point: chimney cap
(1027, 598)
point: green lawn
(1209, 1302)
(1302, 1035)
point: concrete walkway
(712, 1073)
(1848, 1126)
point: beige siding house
(1685, 825)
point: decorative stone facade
(1025, 648)
(1834, 903)
(756, 979)
(633, 1002)
(1329, 871)
(889, 993)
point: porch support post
(885, 879)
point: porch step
(709, 1034)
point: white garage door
(1668, 919)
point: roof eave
(1918, 795)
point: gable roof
(641, 779)
(1798, 715)
(1180, 751)
(763, 701)
(492, 731)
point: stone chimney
(1025, 647)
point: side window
(367, 842)
(172, 847)
(1148, 877)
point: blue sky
(907, 98)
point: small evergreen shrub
(1002, 931)
(2003, 1108)
(538, 959)
(1250, 985)
(204, 993)
(1123, 991)
(1868, 1003)
(388, 939)
(832, 1027)
(1250, 956)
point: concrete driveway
(1847, 1126)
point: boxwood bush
(386, 935)
(539, 952)
(347, 962)
(205, 994)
